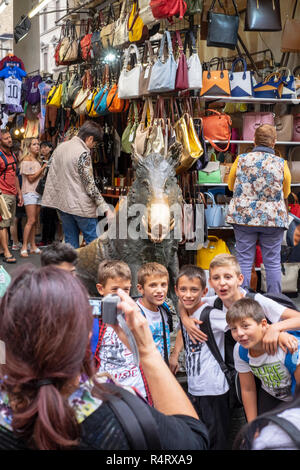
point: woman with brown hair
(31, 171)
(49, 396)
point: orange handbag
(217, 127)
(114, 103)
(215, 82)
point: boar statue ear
(174, 153)
(136, 158)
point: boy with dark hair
(62, 255)
(110, 354)
(278, 373)
(153, 283)
(207, 385)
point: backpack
(291, 360)
(4, 158)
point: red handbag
(217, 127)
(167, 8)
(181, 81)
(86, 44)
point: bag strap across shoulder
(292, 431)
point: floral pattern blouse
(258, 198)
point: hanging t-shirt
(156, 326)
(15, 72)
(12, 91)
(204, 375)
(11, 60)
(275, 377)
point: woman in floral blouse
(261, 182)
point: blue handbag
(270, 87)
(289, 85)
(163, 74)
(241, 83)
(100, 104)
(214, 214)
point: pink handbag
(181, 81)
(251, 121)
(296, 128)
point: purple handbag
(251, 121)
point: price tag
(147, 71)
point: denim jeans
(73, 224)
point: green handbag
(193, 7)
(210, 174)
(128, 135)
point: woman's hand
(137, 324)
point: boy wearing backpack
(207, 384)
(278, 373)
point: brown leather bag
(217, 127)
(294, 164)
(290, 38)
(284, 127)
(263, 15)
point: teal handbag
(100, 105)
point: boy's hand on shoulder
(287, 342)
(271, 339)
(193, 330)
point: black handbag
(263, 15)
(222, 28)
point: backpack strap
(243, 353)
(135, 418)
(218, 303)
(4, 158)
(291, 361)
(292, 431)
(166, 356)
(166, 308)
(211, 342)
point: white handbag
(121, 37)
(145, 12)
(241, 83)
(193, 63)
(129, 80)
(289, 277)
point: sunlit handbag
(284, 127)
(296, 128)
(205, 255)
(263, 15)
(121, 38)
(222, 28)
(215, 82)
(187, 136)
(129, 80)
(107, 32)
(129, 133)
(146, 69)
(193, 63)
(251, 121)
(137, 30)
(143, 130)
(163, 74)
(241, 83)
(217, 126)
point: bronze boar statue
(143, 228)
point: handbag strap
(212, 6)
(190, 40)
(219, 62)
(212, 197)
(238, 59)
(147, 104)
(148, 50)
(162, 45)
(127, 54)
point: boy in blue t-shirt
(278, 373)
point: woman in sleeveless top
(261, 183)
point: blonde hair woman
(31, 171)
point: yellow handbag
(90, 103)
(137, 31)
(55, 94)
(192, 148)
(216, 246)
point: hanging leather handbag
(143, 130)
(167, 9)
(90, 103)
(296, 128)
(73, 88)
(96, 43)
(270, 87)
(216, 246)
(55, 94)
(284, 127)
(290, 38)
(217, 126)
(107, 32)
(129, 80)
(193, 63)
(187, 136)
(163, 74)
(146, 69)
(137, 30)
(241, 83)
(251, 121)
(100, 101)
(121, 38)
(68, 51)
(182, 80)
(114, 103)
(193, 7)
(215, 82)
(263, 15)
(79, 105)
(222, 28)
(129, 133)
(86, 43)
